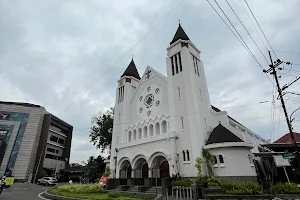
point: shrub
(286, 188)
(114, 194)
(183, 182)
(213, 181)
(81, 188)
(244, 187)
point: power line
(253, 25)
(247, 30)
(288, 52)
(151, 30)
(238, 38)
(260, 28)
(246, 104)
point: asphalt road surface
(23, 191)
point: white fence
(181, 193)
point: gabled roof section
(220, 134)
(180, 34)
(131, 71)
(288, 139)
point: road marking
(40, 196)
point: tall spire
(131, 71)
(180, 34)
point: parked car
(47, 181)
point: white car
(47, 181)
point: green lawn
(94, 196)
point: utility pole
(274, 73)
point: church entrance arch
(125, 169)
(160, 167)
(141, 169)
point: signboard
(3, 132)
(288, 155)
(9, 180)
(280, 161)
(4, 116)
(104, 179)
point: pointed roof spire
(180, 34)
(131, 71)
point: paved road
(22, 191)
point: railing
(179, 192)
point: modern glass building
(32, 140)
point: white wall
(236, 162)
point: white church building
(162, 123)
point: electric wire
(261, 29)
(246, 30)
(239, 40)
(153, 28)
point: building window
(121, 94)
(183, 155)
(195, 61)
(215, 159)
(57, 151)
(180, 64)
(51, 150)
(188, 155)
(134, 134)
(179, 93)
(164, 126)
(182, 125)
(176, 64)
(53, 138)
(172, 62)
(194, 64)
(129, 136)
(140, 133)
(157, 128)
(205, 123)
(221, 159)
(61, 141)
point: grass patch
(94, 196)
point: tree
(101, 130)
(95, 167)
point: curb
(45, 194)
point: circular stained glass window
(148, 101)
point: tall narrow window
(205, 123)
(215, 159)
(180, 64)
(196, 61)
(179, 92)
(172, 62)
(182, 125)
(183, 155)
(201, 94)
(176, 64)
(119, 96)
(221, 159)
(187, 155)
(194, 64)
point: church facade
(162, 124)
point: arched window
(151, 130)
(140, 133)
(187, 155)
(129, 136)
(221, 159)
(183, 156)
(134, 134)
(157, 128)
(164, 126)
(215, 159)
(145, 131)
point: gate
(181, 193)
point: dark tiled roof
(20, 104)
(131, 71)
(288, 139)
(180, 34)
(221, 134)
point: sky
(68, 56)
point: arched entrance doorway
(159, 169)
(145, 171)
(164, 169)
(141, 171)
(125, 169)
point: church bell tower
(189, 102)
(126, 87)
